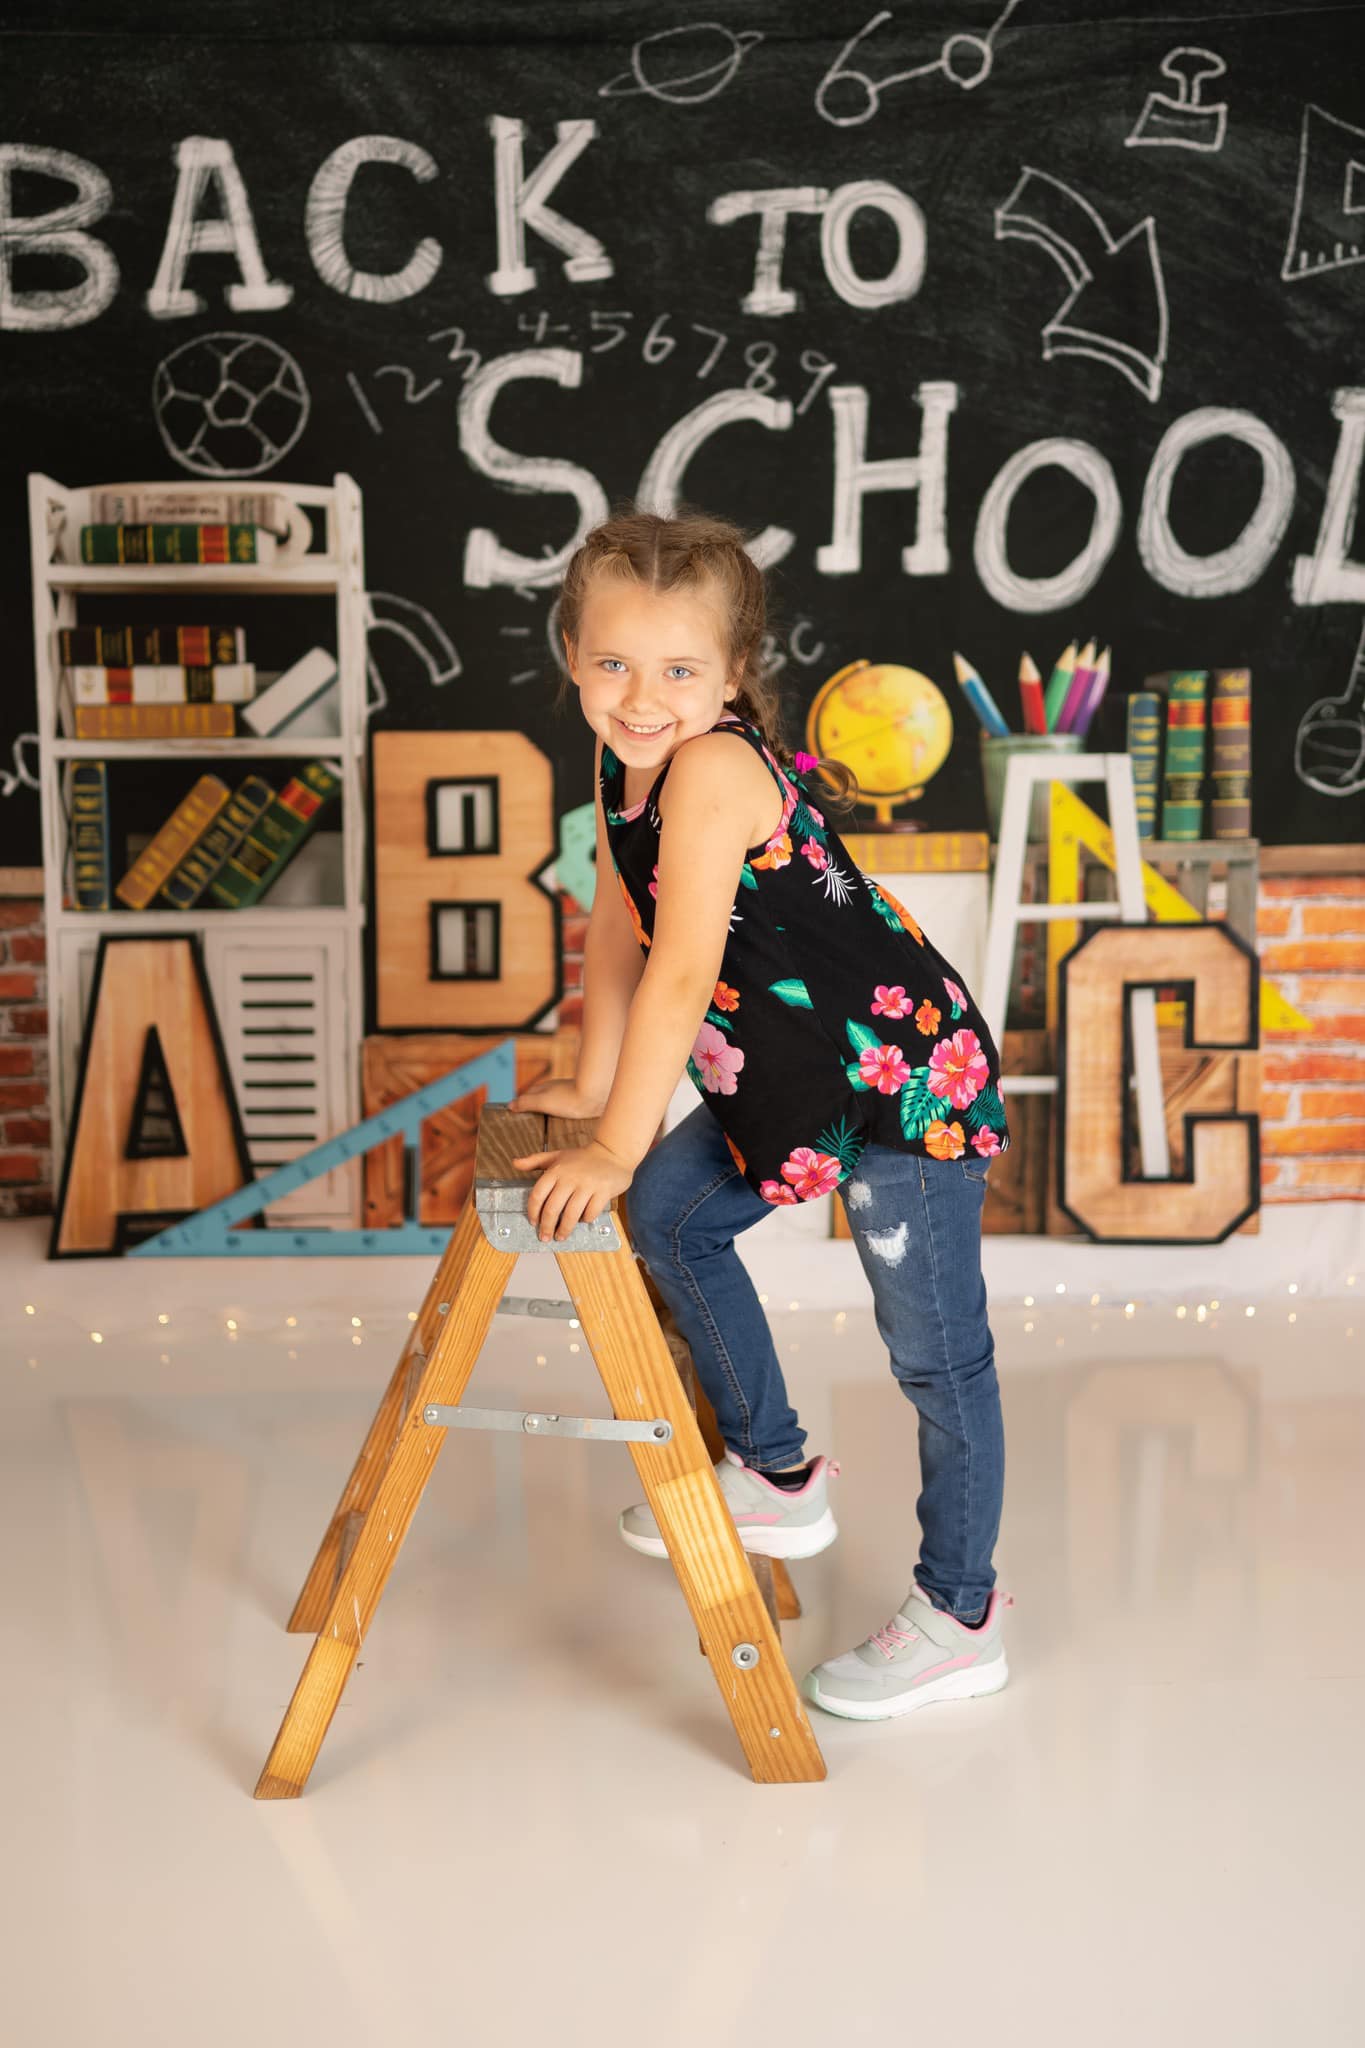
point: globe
(889, 724)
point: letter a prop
(155, 1133)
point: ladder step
(657, 1431)
(1042, 913)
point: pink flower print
(986, 1142)
(654, 885)
(889, 1002)
(955, 995)
(816, 855)
(926, 1017)
(884, 1067)
(718, 1061)
(811, 1173)
(958, 1068)
(776, 1191)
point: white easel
(1007, 913)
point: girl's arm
(612, 966)
(706, 830)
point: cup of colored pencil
(1056, 718)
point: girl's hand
(576, 1186)
(556, 1098)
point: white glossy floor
(530, 1821)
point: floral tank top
(835, 1022)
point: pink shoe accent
(819, 1466)
(755, 1516)
(949, 1664)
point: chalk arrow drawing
(1116, 308)
(1329, 748)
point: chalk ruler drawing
(964, 59)
(1116, 309)
(1329, 747)
(415, 627)
(210, 1233)
(229, 404)
(1329, 198)
(1187, 121)
(685, 66)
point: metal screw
(504, 1230)
(745, 1655)
(442, 1308)
(663, 1431)
(774, 1731)
(428, 1415)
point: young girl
(834, 1047)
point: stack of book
(228, 847)
(182, 682)
(1181, 780)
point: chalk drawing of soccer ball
(229, 404)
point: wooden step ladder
(651, 1413)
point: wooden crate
(393, 1067)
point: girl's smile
(652, 668)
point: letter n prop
(155, 1133)
(1216, 975)
(466, 934)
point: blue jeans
(917, 1224)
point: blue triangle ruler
(210, 1233)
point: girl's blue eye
(610, 660)
(678, 669)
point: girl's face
(651, 669)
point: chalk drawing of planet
(683, 66)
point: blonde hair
(694, 551)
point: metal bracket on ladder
(1007, 913)
(602, 1428)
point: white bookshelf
(298, 960)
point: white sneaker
(772, 1521)
(922, 1655)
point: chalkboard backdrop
(1004, 322)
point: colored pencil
(1031, 695)
(980, 699)
(1058, 683)
(1078, 689)
(1098, 685)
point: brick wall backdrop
(1310, 935)
(25, 1134)
(1311, 939)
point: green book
(200, 544)
(275, 838)
(183, 889)
(92, 878)
(1144, 752)
(1182, 808)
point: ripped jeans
(916, 1222)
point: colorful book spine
(182, 544)
(149, 871)
(127, 646)
(154, 722)
(1230, 718)
(91, 874)
(1144, 751)
(1182, 811)
(272, 843)
(165, 683)
(204, 859)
